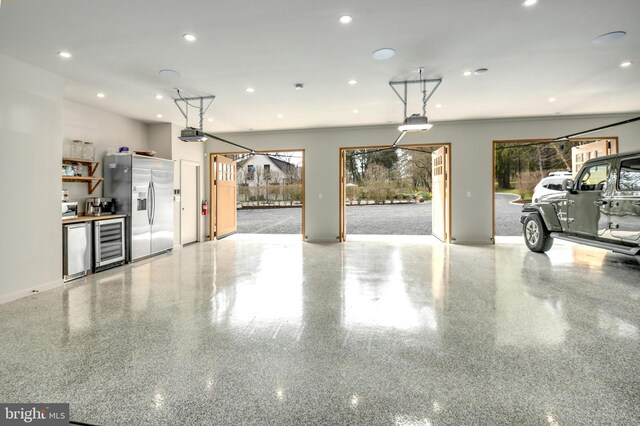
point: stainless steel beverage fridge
(143, 190)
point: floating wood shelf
(91, 181)
(92, 165)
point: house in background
(264, 178)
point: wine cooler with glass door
(108, 239)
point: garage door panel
(225, 196)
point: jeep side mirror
(567, 185)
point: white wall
(30, 153)
(163, 138)
(471, 162)
(107, 131)
(194, 152)
(159, 139)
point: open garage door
(525, 170)
(224, 184)
(403, 190)
(583, 153)
(440, 203)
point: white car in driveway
(551, 184)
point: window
(251, 171)
(267, 171)
(554, 183)
(629, 179)
(594, 177)
(554, 186)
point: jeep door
(625, 202)
(588, 203)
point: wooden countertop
(92, 218)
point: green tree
(416, 165)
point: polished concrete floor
(392, 331)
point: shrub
(526, 183)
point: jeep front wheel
(536, 235)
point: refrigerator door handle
(149, 202)
(153, 205)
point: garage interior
(271, 330)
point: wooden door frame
(342, 182)
(211, 187)
(198, 196)
(614, 141)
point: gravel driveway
(390, 219)
(396, 219)
(508, 216)
(270, 221)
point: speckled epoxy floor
(275, 331)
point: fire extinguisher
(205, 207)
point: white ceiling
(532, 54)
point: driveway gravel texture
(374, 219)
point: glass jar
(88, 151)
(76, 149)
(66, 149)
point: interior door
(188, 202)
(140, 213)
(225, 221)
(343, 195)
(583, 153)
(440, 193)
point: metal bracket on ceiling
(423, 82)
(202, 109)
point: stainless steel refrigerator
(143, 190)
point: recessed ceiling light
(626, 64)
(279, 115)
(352, 82)
(189, 37)
(439, 106)
(552, 99)
(355, 111)
(299, 86)
(609, 38)
(345, 19)
(250, 90)
(158, 97)
(100, 95)
(384, 53)
(529, 3)
(480, 71)
(467, 73)
(159, 115)
(166, 73)
(210, 120)
(64, 54)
